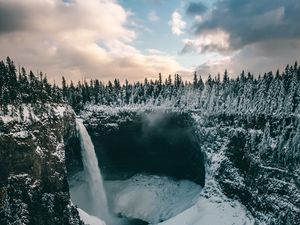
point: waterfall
(93, 174)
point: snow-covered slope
(214, 210)
(151, 198)
(88, 219)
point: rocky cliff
(258, 163)
(33, 176)
(130, 142)
(251, 159)
(254, 159)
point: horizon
(153, 79)
(150, 37)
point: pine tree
(200, 83)
(225, 77)
(64, 87)
(195, 80)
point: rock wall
(33, 177)
(156, 142)
(259, 163)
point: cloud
(255, 36)
(75, 39)
(177, 24)
(152, 16)
(196, 8)
(155, 52)
(209, 41)
(257, 58)
(249, 21)
(10, 19)
(215, 66)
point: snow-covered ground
(88, 219)
(214, 209)
(28, 113)
(151, 198)
(154, 199)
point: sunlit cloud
(76, 40)
(257, 36)
(108, 38)
(214, 40)
(152, 16)
(177, 24)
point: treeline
(18, 87)
(269, 94)
(277, 93)
(116, 94)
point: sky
(134, 39)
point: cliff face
(33, 178)
(258, 163)
(140, 142)
(253, 159)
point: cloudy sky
(133, 39)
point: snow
(104, 110)
(59, 110)
(88, 219)
(6, 119)
(60, 152)
(112, 125)
(28, 113)
(21, 134)
(154, 199)
(210, 211)
(274, 169)
(213, 207)
(151, 198)
(39, 151)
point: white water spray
(93, 174)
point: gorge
(151, 179)
(150, 153)
(145, 161)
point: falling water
(93, 174)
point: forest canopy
(271, 94)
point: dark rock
(33, 178)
